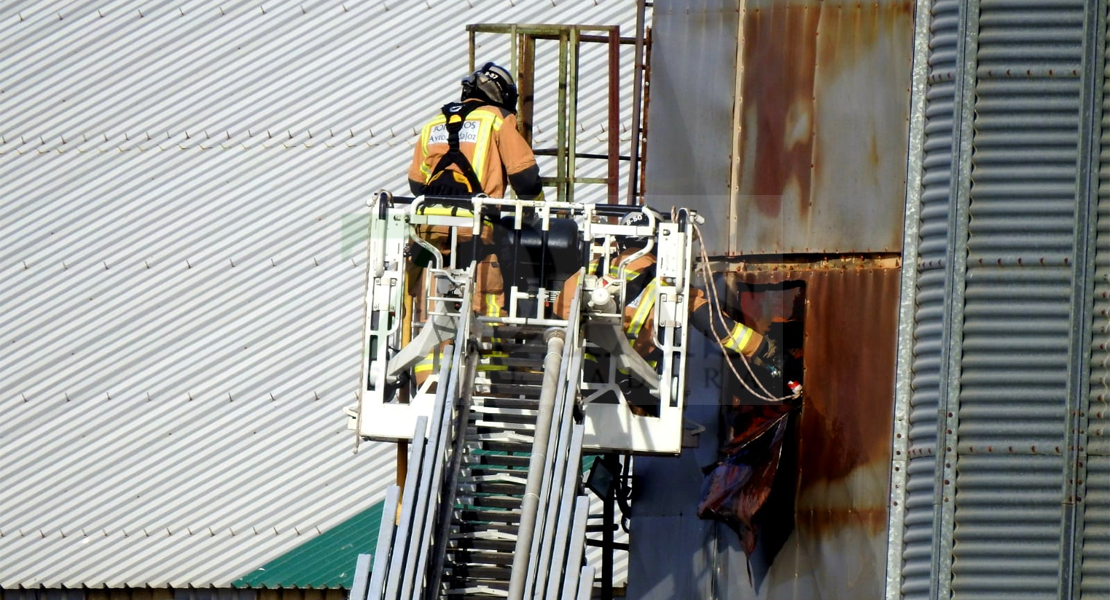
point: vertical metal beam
(608, 515)
(445, 478)
(637, 90)
(566, 501)
(735, 170)
(561, 112)
(645, 116)
(572, 111)
(514, 53)
(526, 85)
(907, 304)
(577, 547)
(473, 46)
(401, 540)
(362, 575)
(956, 276)
(385, 542)
(615, 114)
(1082, 308)
(536, 463)
(585, 585)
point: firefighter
(472, 147)
(639, 321)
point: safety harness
(443, 181)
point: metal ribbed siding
(926, 378)
(1094, 540)
(1094, 569)
(1027, 505)
(1012, 410)
(181, 191)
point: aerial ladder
(492, 503)
(492, 433)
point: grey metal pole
(537, 462)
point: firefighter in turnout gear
(639, 317)
(472, 147)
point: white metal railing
(406, 542)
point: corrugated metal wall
(182, 194)
(933, 262)
(1001, 498)
(1093, 485)
(166, 594)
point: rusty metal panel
(838, 547)
(838, 544)
(821, 156)
(693, 74)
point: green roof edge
(324, 561)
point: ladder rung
(500, 425)
(482, 544)
(475, 515)
(495, 478)
(499, 446)
(503, 488)
(527, 404)
(490, 501)
(488, 535)
(480, 558)
(505, 437)
(514, 389)
(466, 527)
(503, 460)
(504, 413)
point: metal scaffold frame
(570, 38)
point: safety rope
(715, 305)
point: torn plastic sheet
(737, 486)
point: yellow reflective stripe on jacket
(629, 274)
(493, 309)
(427, 363)
(486, 125)
(434, 210)
(424, 135)
(652, 363)
(738, 338)
(643, 309)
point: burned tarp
(739, 484)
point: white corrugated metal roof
(181, 258)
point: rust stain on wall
(823, 125)
(850, 330)
(779, 62)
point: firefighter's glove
(769, 356)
